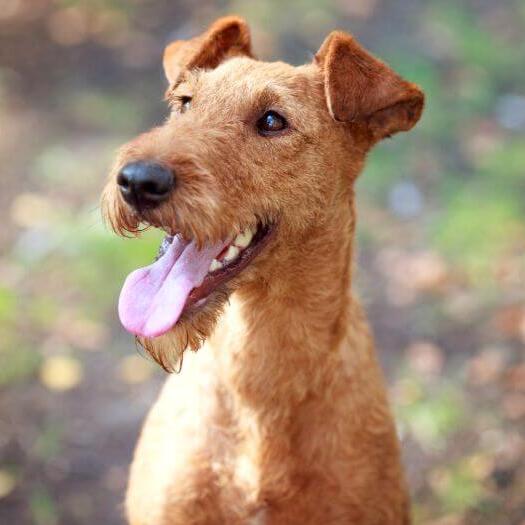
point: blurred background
(441, 243)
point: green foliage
(8, 306)
(48, 444)
(474, 45)
(19, 361)
(477, 226)
(43, 311)
(104, 110)
(116, 258)
(102, 5)
(434, 415)
(460, 490)
(43, 507)
(504, 167)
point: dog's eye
(185, 104)
(270, 123)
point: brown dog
(282, 417)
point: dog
(281, 417)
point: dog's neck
(294, 354)
(281, 338)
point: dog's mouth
(182, 277)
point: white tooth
(232, 253)
(243, 239)
(215, 265)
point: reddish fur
(282, 417)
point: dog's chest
(256, 462)
(251, 466)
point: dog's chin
(190, 332)
(206, 303)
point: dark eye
(270, 123)
(185, 104)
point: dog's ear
(361, 88)
(226, 37)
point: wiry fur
(190, 333)
(281, 418)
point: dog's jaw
(190, 332)
(232, 267)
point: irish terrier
(282, 417)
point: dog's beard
(190, 332)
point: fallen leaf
(61, 373)
(7, 483)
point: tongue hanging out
(153, 298)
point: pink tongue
(152, 298)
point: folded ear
(361, 88)
(226, 37)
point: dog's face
(251, 156)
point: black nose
(145, 184)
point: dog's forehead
(248, 76)
(240, 67)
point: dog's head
(252, 156)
